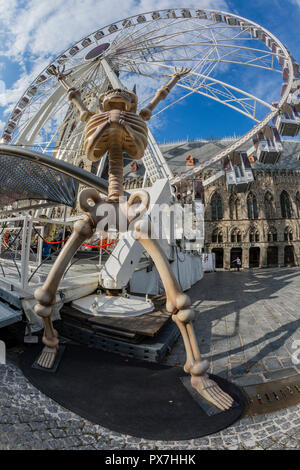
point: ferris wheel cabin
(239, 175)
(267, 145)
(287, 121)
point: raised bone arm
(163, 92)
(74, 95)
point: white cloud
(10, 96)
(35, 31)
(41, 27)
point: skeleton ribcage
(105, 129)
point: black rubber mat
(133, 397)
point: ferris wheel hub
(97, 51)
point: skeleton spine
(115, 174)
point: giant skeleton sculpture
(115, 129)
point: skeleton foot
(47, 357)
(209, 390)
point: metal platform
(11, 297)
(114, 306)
(9, 315)
(146, 337)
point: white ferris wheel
(141, 50)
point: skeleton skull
(124, 100)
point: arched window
(252, 206)
(216, 207)
(285, 204)
(81, 165)
(272, 235)
(288, 234)
(269, 205)
(253, 235)
(298, 204)
(217, 236)
(236, 236)
(234, 203)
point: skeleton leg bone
(178, 303)
(83, 229)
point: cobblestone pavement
(248, 332)
(248, 324)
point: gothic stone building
(260, 226)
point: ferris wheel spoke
(234, 50)
(138, 37)
(219, 91)
(156, 63)
(135, 34)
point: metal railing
(24, 252)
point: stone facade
(265, 233)
(260, 226)
(252, 224)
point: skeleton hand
(163, 92)
(178, 73)
(59, 72)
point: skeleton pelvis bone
(119, 216)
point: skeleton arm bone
(74, 95)
(162, 93)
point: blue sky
(33, 32)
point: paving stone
(73, 441)
(58, 432)
(204, 441)
(238, 370)
(248, 380)
(266, 443)
(89, 429)
(255, 367)
(280, 374)
(231, 440)
(249, 443)
(272, 363)
(55, 444)
(88, 439)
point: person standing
(238, 263)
